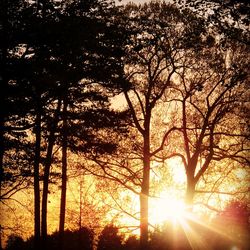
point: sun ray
(193, 237)
(213, 228)
(185, 225)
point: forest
(124, 126)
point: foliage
(109, 239)
(132, 243)
(46, 57)
(236, 212)
(168, 236)
(223, 232)
(208, 94)
(233, 221)
(57, 54)
(229, 18)
(73, 240)
(15, 242)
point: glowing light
(178, 171)
(166, 208)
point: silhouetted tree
(16, 101)
(73, 240)
(210, 92)
(132, 243)
(14, 108)
(15, 242)
(86, 95)
(51, 50)
(154, 54)
(109, 239)
(229, 18)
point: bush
(132, 243)
(15, 242)
(109, 239)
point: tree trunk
(37, 221)
(1, 237)
(3, 81)
(1, 153)
(80, 207)
(64, 177)
(144, 194)
(1, 147)
(144, 217)
(51, 141)
(190, 192)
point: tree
(48, 65)
(109, 239)
(64, 172)
(154, 54)
(15, 242)
(211, 94)
(132, 243)
(86, 97)
(15, 98)
(228, 18)
(12, 117)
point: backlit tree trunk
(3, 81)
(51, 141)
(145, 193)
(64, 177)
(190, 192)
(1, 154)
(37, 220)
(146, 179)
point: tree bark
(3, 81)
(145, 190)
(190, 192)
(1, 146)
(51, 141)
(1, 248)
(37, 221)
(1, 153)
(144, 210)
(64, 177)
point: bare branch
(136, 121)
(164, 140)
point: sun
(166, 208)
